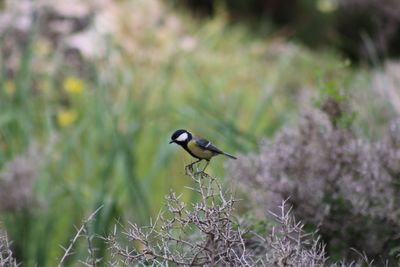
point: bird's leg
(202, 171)
(197, 161)
(206, 165)
(190, 166)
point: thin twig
(68, 251)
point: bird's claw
(189, 168)
(199, 172)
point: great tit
(197, 147)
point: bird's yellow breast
(198, 151)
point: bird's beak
(172, 142)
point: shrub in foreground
(6, 254)
(206, 233)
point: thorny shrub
(6, 255)
(203, 233)
(200, 233)
(337, 181)
(206, 233)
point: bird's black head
(181, 137)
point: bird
(197, 147)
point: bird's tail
(229, 155)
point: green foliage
(110, 143)
(335, 103)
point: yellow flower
(66, 117)
(73, 85)
(9, 87)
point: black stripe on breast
(187, 149)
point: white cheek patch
(182, 137)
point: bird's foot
(201, 173)
(189, 169)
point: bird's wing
(207, 145)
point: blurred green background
(90, 93)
